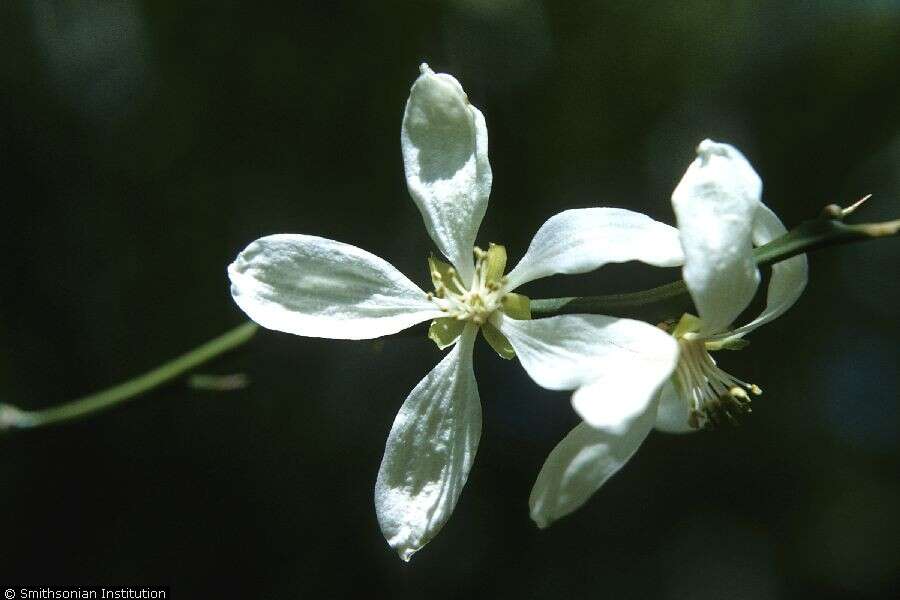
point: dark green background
(143, 144)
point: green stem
(669, 301)
(14, 418)
(672, 300)
(653, 305)
(821, 233)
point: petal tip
(706, 146)
(709, 148)
(540, 521)
(538, 509)
(405, 553)
(404, 544)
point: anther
(739, 394)
(714, 396)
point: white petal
(429, 452)
(672, 413)
(789, 276)
(569, 351)
(620, 394)
(317, 287)
(444, 142)
(580, 464)
(715, 204)
(578, 241)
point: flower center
(473, 304)
(484, 294)
(714, 397)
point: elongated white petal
(581, 240)
(569, 351)
(673, 412)
(789, 276)
(317, 287)
(582, 462)
(620, 394)
(715, 204)
(429, 452)
(444, 142)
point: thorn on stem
(850, 209)
(833, 211)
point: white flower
(720, 220)
(317, 287)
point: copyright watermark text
(84, 592)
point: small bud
(832, 211)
